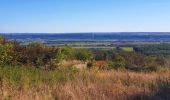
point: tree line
(40, 56)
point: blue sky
(55, 16)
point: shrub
(5, 54)
(67, 52)
(83, 54)
(34, 54)
(91, 65)
(100, 54)
(117, 63)
(61, 54)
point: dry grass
(92, 85)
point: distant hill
(112, 36)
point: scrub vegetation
(38, 72)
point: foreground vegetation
(18, 83)
(37, 72)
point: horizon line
(72, 32)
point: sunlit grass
(73, 84)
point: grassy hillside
(18, 83)
(37, 72)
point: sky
(62, 16)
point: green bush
(35, 54)
(22, 77)
(83, 54)
(5, 54)
(118, 62)
(61, 54)
(67, 52)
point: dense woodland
(162, 49)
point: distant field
(128, 49)
(95, 47)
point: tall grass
(18, 83)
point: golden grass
(92, 85)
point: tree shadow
(163, 93)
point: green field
(127, 49)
